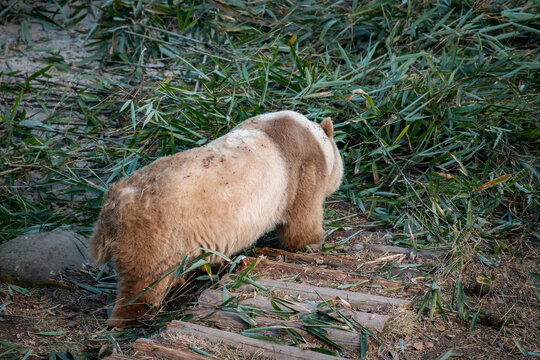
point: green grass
(451, 90)
(435, 108)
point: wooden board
(305, 273)
(262, 348)
(317, 293)
(212, 299)
(433, 254)
(336, 261)
(148, 347)
(231, 321)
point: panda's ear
(328, 127)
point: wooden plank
(231, 321)
(254, 346)
(336, 261)
(373, 322)
(365, 236)
(153, 349)
(375, 241)
(313, 276)
(433, 254)
(310, 292)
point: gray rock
(30, 260)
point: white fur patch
(237, 138)
(240, 136)
(128, 190)
(315, 129)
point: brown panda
(270, 171)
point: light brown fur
(274, 170)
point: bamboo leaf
(499, 180)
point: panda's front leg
(303, 223)
(304, 229)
